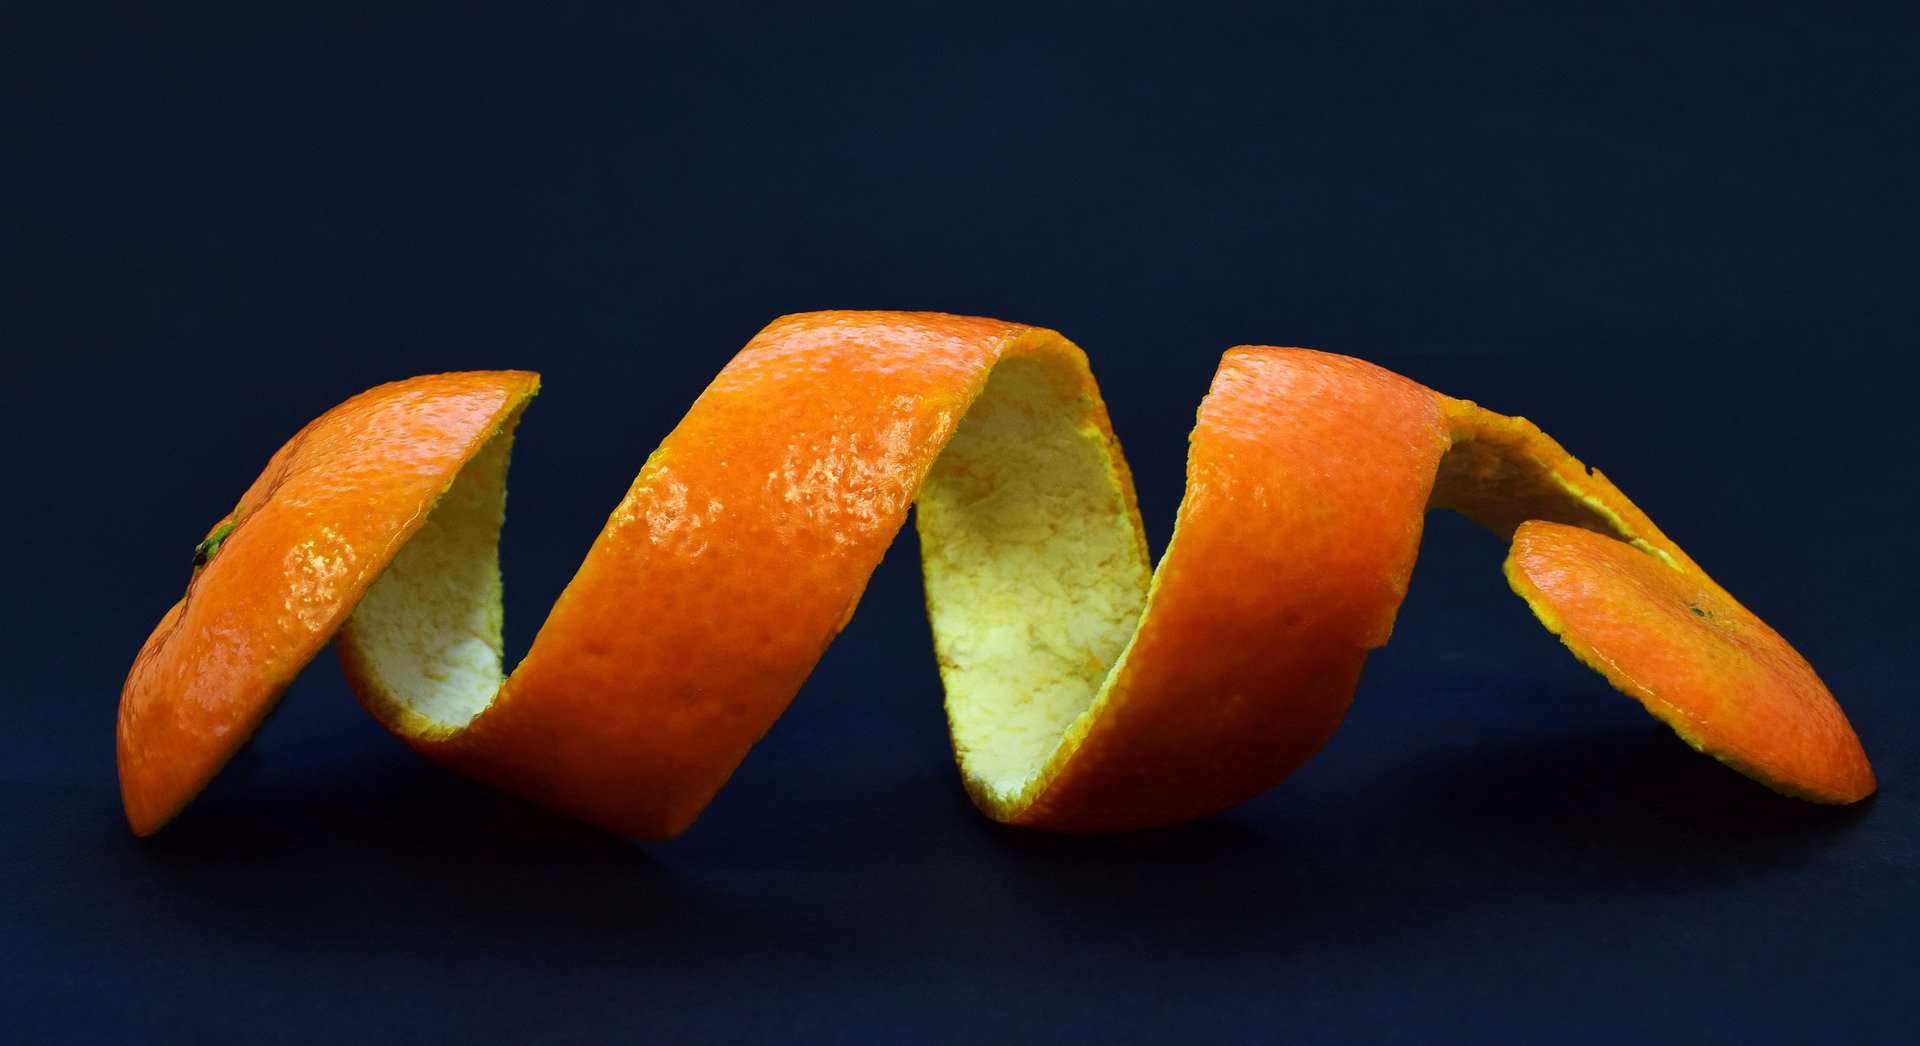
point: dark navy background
(1683, 241)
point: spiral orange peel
(1086, 689)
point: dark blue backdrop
(1682, 241)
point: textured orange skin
(1697, 659)
(1307, 479)
(314, 531)
(745, 542)
(736, 557)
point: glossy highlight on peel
(1087, 689)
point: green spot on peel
(206, 549)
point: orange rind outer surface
(310, 535)
(1307, 478)
(1630, 603)
(1700, 662)
(735, 558)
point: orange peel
(1087, 690)
(1632, 605)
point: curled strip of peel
(1086, 690)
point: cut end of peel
(277, 577)
(1696, 659)
(1629, 603)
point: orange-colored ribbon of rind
(1086, 690)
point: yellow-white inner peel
(428, 629)
(1036, 570)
